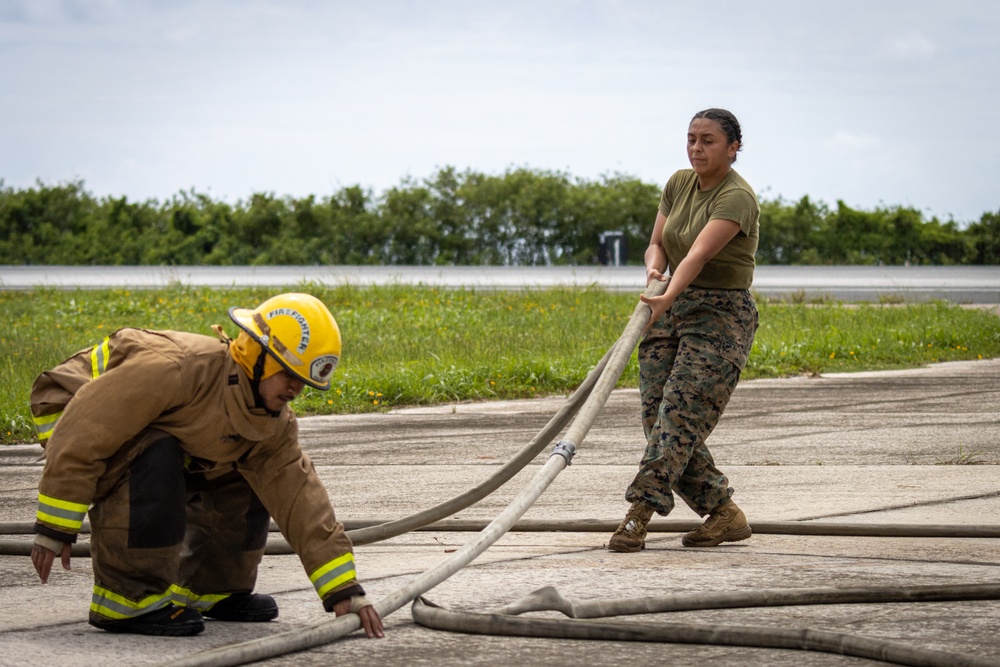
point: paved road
(867, 448)
(959, 284)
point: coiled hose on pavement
(429, 615)
(549, 599)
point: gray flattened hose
(328, 631)
(428, 615)
(556, 424)
(278, 545)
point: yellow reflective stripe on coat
(61, 513)
(110, 604)
(338, 571)
(45, 425)
(185, 597)
(99, 357)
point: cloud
(183, 34)
(49, 12)
(844, 142)
(913, 45)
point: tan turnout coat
(189, 386)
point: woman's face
(709, 153)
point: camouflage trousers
(689, 363)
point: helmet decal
(303, 325)
(322, 368)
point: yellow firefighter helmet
(298, 331)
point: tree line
(521, 217)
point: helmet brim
(243, 317)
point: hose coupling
(565, 449)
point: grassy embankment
(407, 346)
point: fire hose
(592, 395)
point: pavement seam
(849, 407)
(880, 427)
(902, 506)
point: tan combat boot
(726, 523)
(631, 534)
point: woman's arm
(656, 256)
(713, 238)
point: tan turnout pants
(162, 532)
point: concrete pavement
(919, 446)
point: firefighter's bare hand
(42, 558)
(370, 620)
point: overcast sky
(873, 102)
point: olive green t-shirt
(688, 210)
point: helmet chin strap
(258, 373)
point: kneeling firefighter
(181, 447)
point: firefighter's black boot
(244, 608)
(169, 621)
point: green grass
(408, 345)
